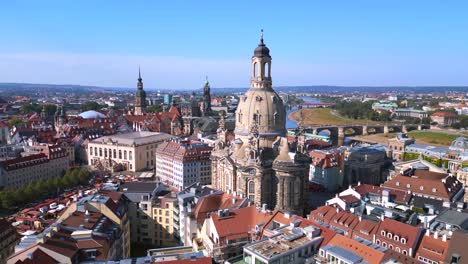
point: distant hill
(29, 88)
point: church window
(267, 69)
(255, 69)
(251, 187)
(125, 154)
(120, 154)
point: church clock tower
(140, 97)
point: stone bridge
(337, 133)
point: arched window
(120, 154)
(378, 242)
(398, 249)
(115, 154)
(383, 233)
(266, 66)
(255, 69)
(389, 235)
(384, 244)
(396, 238)
(275, 118)
(125, 154)
(390, 246)
(251, 187)
(403, 240)
(404, 252)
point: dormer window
(383, 233)
(403, 240)
(434, 190)
(397, 183)
(421, 188)
(389, 235)
(408, 185)
(396, 238)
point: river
(293, 124)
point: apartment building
(181, 163)
(20, 171)
(8, 240)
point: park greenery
(407, 156)
(360, 110)
(91, 105)
(35, 107)
(42, 189)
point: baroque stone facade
(258, 163)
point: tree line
(360, 110)
(42, 189)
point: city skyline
(368, 44)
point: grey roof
(453, 217)
(343, 253)
(134, 138)
(138, 187)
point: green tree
(91, 105)
(16, 122)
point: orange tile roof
(368, 254)
(426, 183)
(239, 222)
(432, 248)
(409, 232)
(214, 202)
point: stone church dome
(262, 108)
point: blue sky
(177, 43)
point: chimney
(264, 208)
(234, 200)
(444, 237)
(428, 232)
(436, 234)
(382, 217)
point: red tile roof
(213, 202)
(432, 184)
(409, 232)
(398, 196)
(432, 248)
(368, 254)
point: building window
(383, 233)
(130, 155)
(404, 252)
(403, 241)
(251, 187)
(384, 244)
(105, 153)
(398, 249)
(90, 151)
(389, 235)
(120, 154)
(125, 154)
(100, 152)
(115, 154)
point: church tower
(261, 67)
(258, 163)
(140, 97)
(206, 105)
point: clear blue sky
(177, 43)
